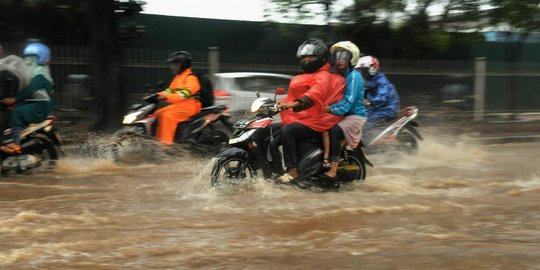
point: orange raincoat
(323, 88)
(184, 105)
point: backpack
(206, 94)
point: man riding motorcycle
(308, 93)
(380, 95)
(33, 104)
(182, 93)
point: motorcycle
(40, 144)
(400, 135)
(200, 133)
(250, 151)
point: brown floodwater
(456, 205)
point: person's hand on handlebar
(9, 101)
(288, 105)
(161, 96)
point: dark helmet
(181, 57)
(313, 47)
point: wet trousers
(291, 135)
(169, 117)
(25, 114)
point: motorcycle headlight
(242, 137)
(130, 118)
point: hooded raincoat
(384, 98)
(323, 88)
(33, 104)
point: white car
(239, 89)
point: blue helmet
(40, 50)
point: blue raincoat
(383, 97)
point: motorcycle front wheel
(230, 171)
(133, 148)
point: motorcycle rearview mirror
(279, 91)
(148, 88)
(159, 85)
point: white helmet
(370, 63)
(347, 46)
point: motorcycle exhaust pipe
(33, 145)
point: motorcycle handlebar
(274, 108)
(150, 98)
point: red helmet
(370, 63)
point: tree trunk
(106, 66)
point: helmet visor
(342, 56)
(364, 71)
(309, 49)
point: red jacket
(323, 88)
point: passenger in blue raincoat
(380, 94)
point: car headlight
(130, 118)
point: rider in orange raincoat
(182, 93)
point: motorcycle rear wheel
(353, 169)
(407, 143)
(230, 171)
(48, 156)
(212, 142)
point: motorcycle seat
(34, 126)
(406, 111)
(402, 113)
(213, 109)
(207, 110)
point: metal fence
(429, 84)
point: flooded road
(453, 206)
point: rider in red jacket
(307, 96)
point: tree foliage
(418, 28)
(521, 15)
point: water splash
(86, 166)
(521, 187)
(435, 153)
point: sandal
(285, 179)
(326, 165)
(328, 177)
(11, 148)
